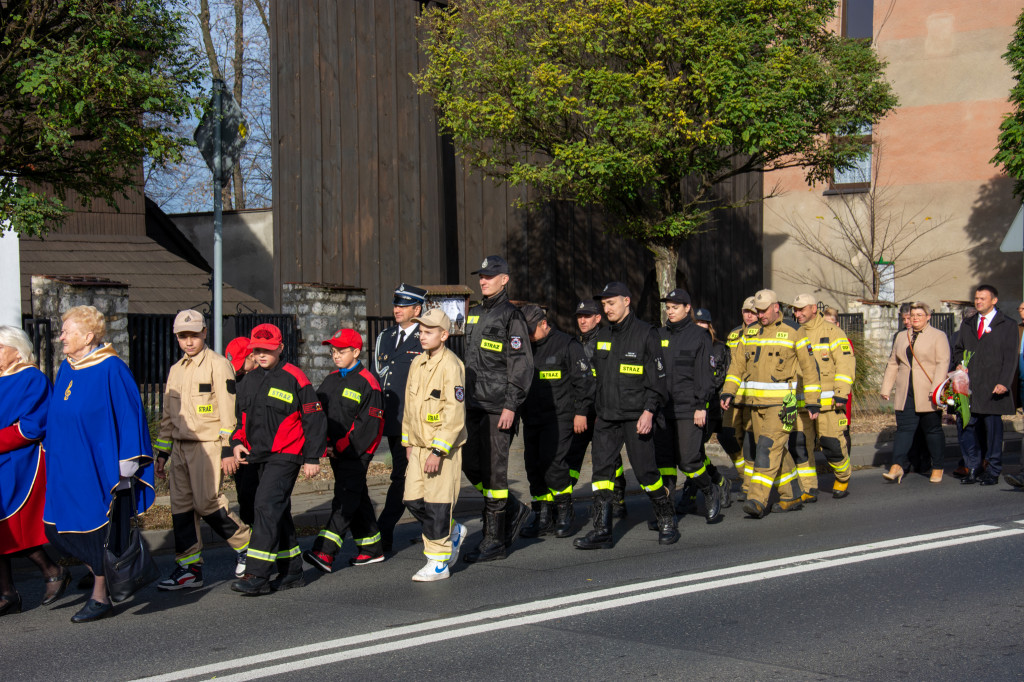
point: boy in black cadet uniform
(560, 398)
(354, 405)
(281, 429)
(630, 390)
(499, 368)
(686, 349)
(394, 352)
(246, 478)
(588, 321)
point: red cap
(237, 351)
(345, 338)
(265, 336)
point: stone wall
(52, 296)
(881, 320)
(320, 310)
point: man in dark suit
(394, 352)
(991, 337)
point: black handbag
(133, 568)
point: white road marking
(583, 603)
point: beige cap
(804, 300)
(189, 321)
(434, 318)
(748, 304)
(764, 299)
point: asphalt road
(915, 581)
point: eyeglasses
(339, 351)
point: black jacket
(563, 385)
(721, 355)
(354, 406)
(994, 362)
(630, 370)
(499, 364)
(392, 368)
(277, 411)
(686, 349)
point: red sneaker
(364, 559)
(319, 560)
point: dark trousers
(394, 506)
(578, 451)
(247, 479)
(545, 448)
(351, 508)
(273, 531)
(907, 424)
(678, 444)
(726, 437)
(982, 439)
(485, 457)
(609, 437)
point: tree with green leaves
(88, 88)
(1010, 149)
(645, 107)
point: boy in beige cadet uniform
(195, 432)
(433, 432)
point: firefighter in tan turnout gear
(739, 416)
(837, 370)
(774, 354)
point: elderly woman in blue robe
(24, 399)
(97, 443)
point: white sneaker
(434, 570)
(458, 535)
(240, 563)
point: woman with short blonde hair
(89, 320)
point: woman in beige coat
(917, 365)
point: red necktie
(981, 325)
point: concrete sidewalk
(311, 500)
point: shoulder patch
(782, 335)
(516, 342)
(460, 393)
(733, 335)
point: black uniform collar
(584, 338)
(676, 327)
(500, 297)
(624, 325)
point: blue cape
(24, 400)
(96, 420)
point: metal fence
(375, 325)
(243, 324)
(851, 323)
(945, 322)
(40, 331)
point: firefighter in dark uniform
(630, 390)
(395, 350)
(281, 429)
(686, 350)
(561, 396)
(499, 369)
(588, 321)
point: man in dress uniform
(499, 369)
(395, 350)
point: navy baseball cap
(586, 307)
(492, 265)
(681, 296)
(408, 295)
(534, 314)
(702, 315)
(613, 289)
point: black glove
(813, 409)
(840, 404)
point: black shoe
(56, 586)
(10, 603)
(515, 519)
(492, 547)
(1016, 481)
(601, 536)
(988, 479)
(726, 485)
(619, 498)
(754, 509)
(287, 581)
(532, 529)
(93, 610)
(668, 529)
(251, 586)
(86, 582)
(565, 517)
(712, 502)
(795, 504)
(970, 478)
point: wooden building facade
(367, 193)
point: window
(856, 178)
(857, 19)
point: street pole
(218, 224)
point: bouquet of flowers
(955, 391)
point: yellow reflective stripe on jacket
(162, 444)
(604, 345)
(785, 343)
(444, 446)
(472, 319)
(843, 378)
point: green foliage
(1010, 149)
(87, 89)
(644, 106)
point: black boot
(532, 529)
(601, 536)
(619, 498)
(566, 516)
(516, 515)
(492, 547)
(547, 518)
(668, 530)
(687, 503)
(712, 499)
(726, 485)
(970, 478)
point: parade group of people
(78, 463)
